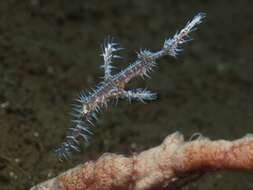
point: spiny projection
(89, 104)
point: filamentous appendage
(89, 104)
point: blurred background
(49, 52)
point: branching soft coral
(173, 163)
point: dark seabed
(49, 52)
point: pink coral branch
(171, 163)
